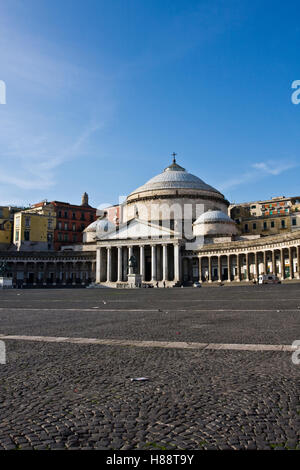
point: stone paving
(70, 396)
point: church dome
(169, 194)
(100, 226)
(213, 216)
(214, 223)
(174, 177)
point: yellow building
(34, 230)
(270, 217)
(5, 228)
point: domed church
(175, 229)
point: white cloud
(257, 171)
(29, 161)
(273, 168)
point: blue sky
(100, 93)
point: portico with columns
(244, 261)
(211, 250)
(155, 249)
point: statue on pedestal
(132, 265)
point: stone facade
(166, 251)
(56, 269)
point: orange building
(71, 220)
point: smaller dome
(214, 224)
(100, 226)
(213, 216)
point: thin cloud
(258, 170)
(274, 169)
(34, 166)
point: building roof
(212, 217)
(175, 177)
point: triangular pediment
(138, 229)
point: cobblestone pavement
(69, 396)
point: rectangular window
(254, 226)
(246, 228)
(294, 221)
(283, 224)
(59, 214)
(66, 226)
(49, 223)
(82, 216)
(74, 227)
(17, 222)
(272, 223)
(27, 221)
(27, 235)
(17, 235)
(59, 225)
(66, 238)
(74, 237)
(265, 225)
(66, 214)
(74, 216)
(60, 237)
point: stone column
(74, 272)
(119, 264)
(142, 262)
(153, 263)
(282, 263)
(219, 268)
(84, 273)
(238, 267)
(176, 262)
(298, 262)
(228, 269)
(165, 262)
(200, 269)
(291, 262)
(98, 265)
(35, 275)
(25, 273)
(14, 271)
(256, 265)
(130, 253)
(209, 269)
(108, 276)
(63, 280)
(273, 263)
(247, 266)
(265, 263)
(45, 273)
(54, 273)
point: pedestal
(134, 280)
(6, 282)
